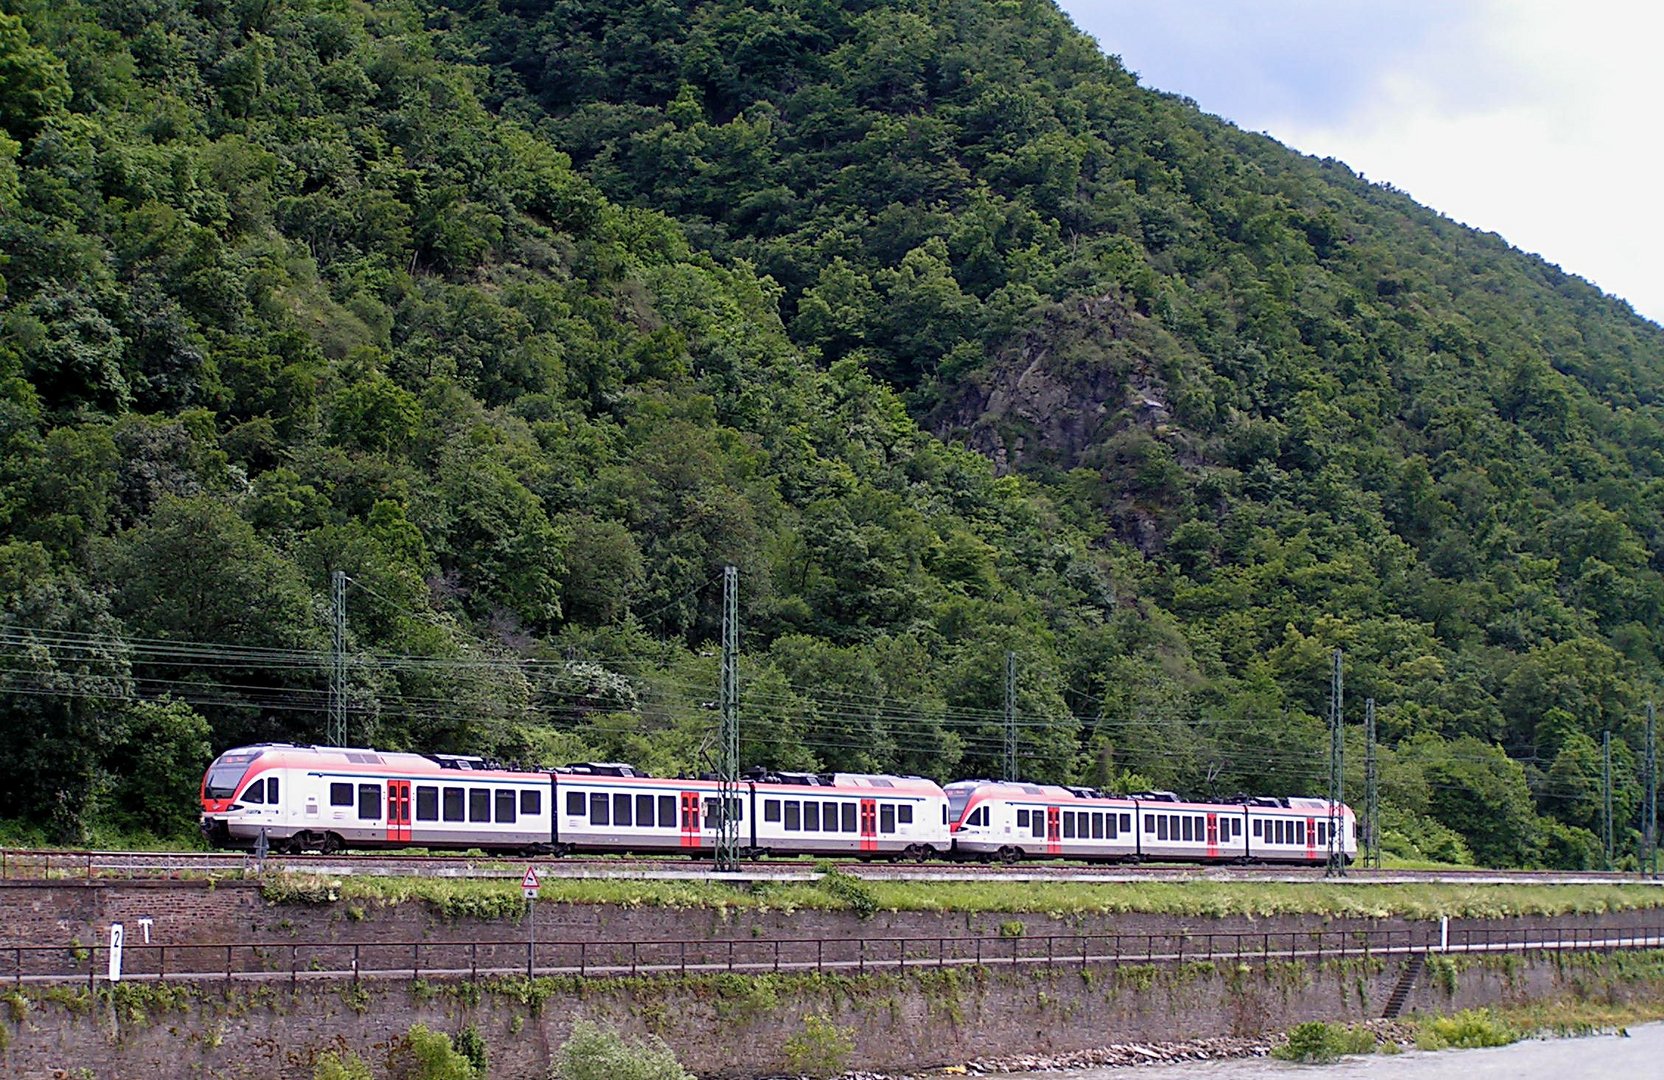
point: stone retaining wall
(728, 1027)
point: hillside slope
(530, 316)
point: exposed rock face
(1088, 370)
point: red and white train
(1011, 821)
(323, 798)
(318, 798)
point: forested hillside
(530, 315)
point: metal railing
(296, 962)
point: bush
(1466, 1030)
(333, 1066)
(471, 1045)
(424, 1054)
(821, 1049)
(1316, 1043)
(597, 1053)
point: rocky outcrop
(1088, 369)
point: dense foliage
(530, 315)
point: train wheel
(330, 844)
(917, 852)
(1010, 855)
(296, 844)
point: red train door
(1213, 835)
(1311, 839)
(1054, 842)
(398, 811)
(869, 825)
(690, 819)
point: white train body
(327, 798)
(1015, 820)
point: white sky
(1534, 119)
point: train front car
(223, 816)
(325, 798)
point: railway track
(34, 864)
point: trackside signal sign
(530, 884)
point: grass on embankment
(843, 892)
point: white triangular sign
(530, 880)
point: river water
(1634, 1057)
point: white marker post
(528, 888)
(118, 938)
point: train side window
(644, 811)
(1097, 826)
(736, 811)
(1256, 828)
(531, 801)
(1038, 821)
(621, 814)
(427, 804)
(1201, 828)
(369, 802)
(667, 811)
(794, 816)
(1161, 826)
(849, 817)
(340, 794)
(811, 816)
(904, 813)
(887, 817)
(1299, 832)
(1126, 823)
(600, 809)
(575, 803)
(271, 791)
(479, 804)
(254, 793)
(1110, 831)
(1068, 825)
(771, 810)
(1187, 827)
(1022, 819)
(453, 804)
(506, 802)
(829, 816)
(1149, 825)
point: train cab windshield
(226, 772)
(956, 803)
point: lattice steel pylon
(336, 730)
(1606, 795)
(728, 742)
(1372, 793)
(1649, 804)
(1335, 865)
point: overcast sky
(1534, 119)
